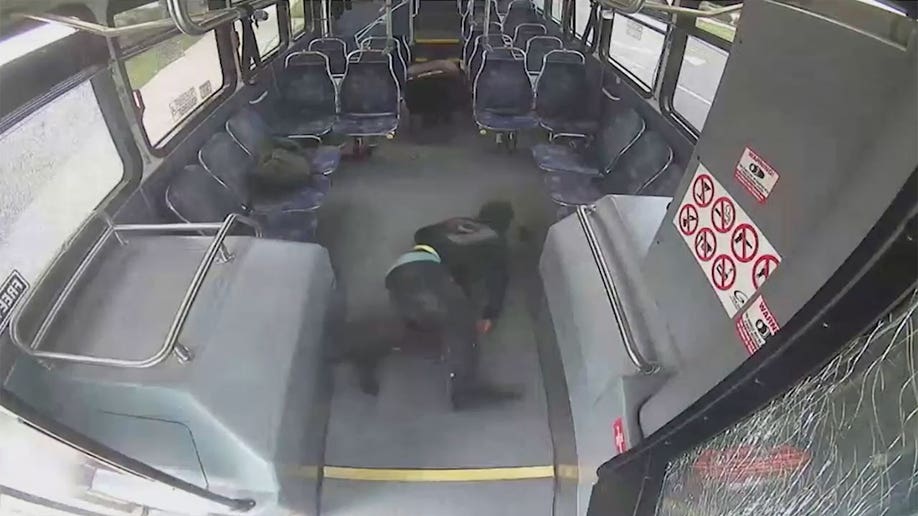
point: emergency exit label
(10, 294)
(756, 325)
(731, 250)
(756, 175)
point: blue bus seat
(526, 31)
(309, 96)
(562, 93)
(370, 95)
(503, 93)
(536, 50)
(599, 156)
(336, 50)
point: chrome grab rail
(171, 345)
(386, 9)
(634, 354)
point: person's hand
(484, 326)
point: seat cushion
(366, 125)
(295, 225)
(304, 124)
(561, 159)
(556, 125)
(571, 189)
(307, 199)
(325, 159)
(501, 122)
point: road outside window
(298, 17)
(636, 45)
(702, 66)
(267, 32)
(556, 10)
(581, 16)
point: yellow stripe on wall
(439, 475)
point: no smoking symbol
(745, 243)
(688, 220)
(764, 266)
(705, 244)
(723, 272)
(723, 214)
(703, 190)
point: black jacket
(472, 251)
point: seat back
(665, 183)
(194, 195)
(640, 164)
(392, 47)
(502, 86)
(520, 11)
(250, 131)
(228, 162)
(482, 44)
(536, 50)
(526, 31)
(308, 87)
(468, 45)
(615, 137)
(469, 23)
(335, 50)
(562, 87)
(369, 86)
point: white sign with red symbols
(756, 175)
(755, 325)
(731, 250)
(618, 433)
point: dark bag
(282, 167)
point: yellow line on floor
(439, 475)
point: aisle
(368, 220)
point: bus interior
(712, 289)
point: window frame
(307, 29)
(645, 90)
(181, 130)
(250, 71)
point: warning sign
(618, 433)
(10, 294)
(755, 325)
(756, 175)
(731, 250)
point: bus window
(556, 10)
(172, 80)
(47, 191)
(581, 16)
(298, 17)
(539, 5)
(267, 32)
(636, 46)
(702, 66)
(723, 26)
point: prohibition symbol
(723, 214)
(764, 266)
(745, 243)
(705, 244)
(688, 220)
(703, 190)
(723, 272)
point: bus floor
(405, 451)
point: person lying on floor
(429, 287)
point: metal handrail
(380, 19)
(170, 344)
(179, 17)
(634, 354)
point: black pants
(427, 299)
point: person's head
(497, 215)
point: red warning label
(688, 220)
(756, 175)
(705, 244)
(756, 325)
(731, 250)
(618, 433)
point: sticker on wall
(731, 250)
(10, 294)
(756, 175)
(618, 433)
(755, 325)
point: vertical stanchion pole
(325, 20)
(388, 23)
(487, 18)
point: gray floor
(369, 219)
